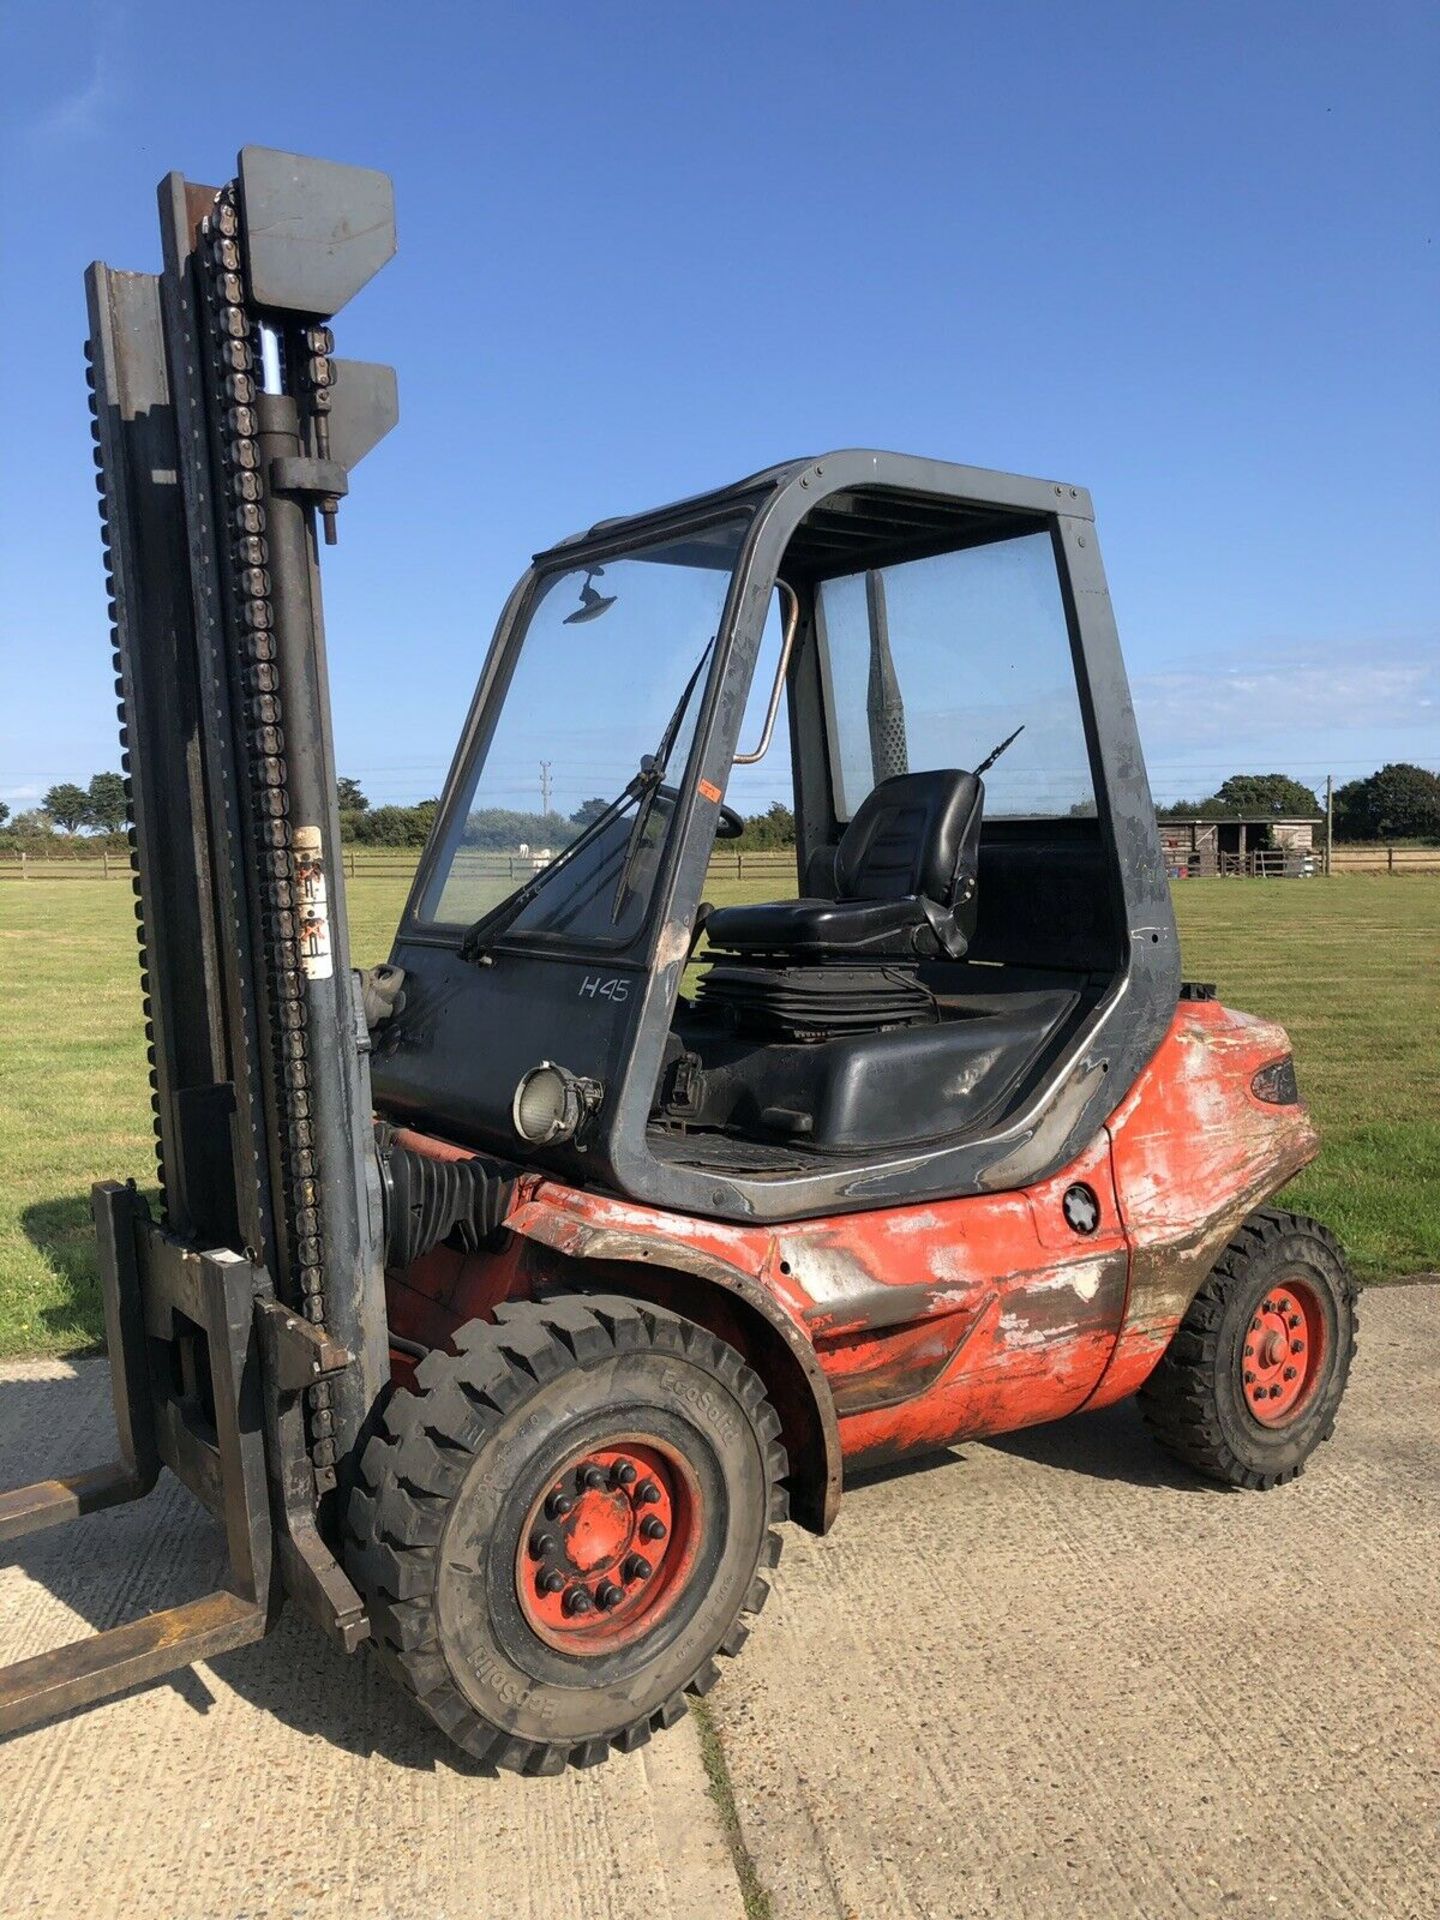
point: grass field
(1349, 965)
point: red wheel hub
(608, 1545)
(1283, 1350)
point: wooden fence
(379, 863)
(1380, 859)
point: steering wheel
(730, 824)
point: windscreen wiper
(496, 919)
(652, 775)
(642, 787)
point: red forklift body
(910, 1328)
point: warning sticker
(312, 905)
(708, 789)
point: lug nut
(1249, 1377)
(578, 1601)
(1259, 1393)
(1297, 1346)
(1290, 1372)
(647, 1493)
(551, 1581)
(1255, 1324)
(637, 1567)
(652, 1527)
(1269, 1306)
(543, 1546)
(1294, 1320)
(592, 1477)
(1249, 1349)
(622, 1474)
(558, 1505)
(1274, 1393)
(608, 1595)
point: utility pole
(1329, 823)
(545, 786)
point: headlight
(550, 1102)
(1275, 1083)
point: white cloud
(81, 113)
(1349, 686)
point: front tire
(564, 1524)
(1252, 1380)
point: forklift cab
(976, 953)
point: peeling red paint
(1194, 1152)
(919, 1326)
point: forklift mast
(225, 432)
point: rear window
(932, 663)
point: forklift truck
(503, 1299)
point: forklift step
(105, 1664)
(48, 1503)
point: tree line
(504, 829)
(99, 808)
(1397, 802)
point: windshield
(592, 693)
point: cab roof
(930, 487)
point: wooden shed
(1264, 844)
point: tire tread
(417, 1459)
(1178, 1401)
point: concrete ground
(1047, 1676)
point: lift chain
(110, 602)
(316, 379)
(262, 732)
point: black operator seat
(905, 880)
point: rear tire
(1252, 1380)
(562, 1526)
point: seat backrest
(916, 833)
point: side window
(932, 663)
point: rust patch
(908, 1364)
(1193, 1153)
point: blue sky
(1187, 256)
